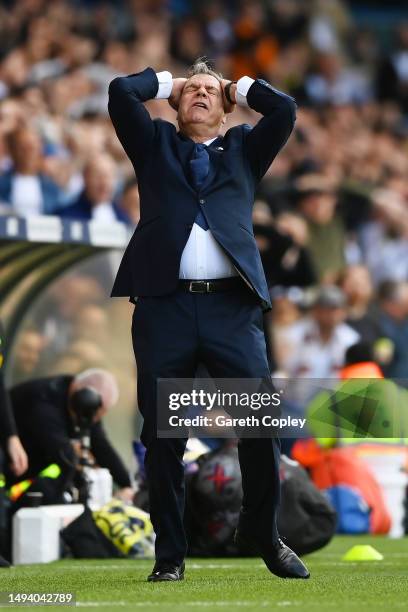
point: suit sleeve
(264, 141)
(107, 457)
(132, 122)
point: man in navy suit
(194, 272)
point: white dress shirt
(203, 257)
(308, 356)
(26, 195)
(103, 212)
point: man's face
(357, 284)
(28, 351)
(328, 317)
(319, 207)
(27, 145)
(100, 181)
(201, 102)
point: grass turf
(228, 584)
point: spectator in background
(392, 78)
(89, 352)
(316, 201)
(129, 202)
(284, 257)
(384, 239)
(357, 285)
(393, 319)
(27, 354)
(66, 298)
(91, 323)
(96, 202)
(24, 187)
(333, 83)
(297, 265)
(284, 314)
(318, 342)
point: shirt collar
(208, 142)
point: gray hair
(102, 381)
(202, 66)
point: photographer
(53, 415)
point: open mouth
(200, 105)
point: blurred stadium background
(332, 210)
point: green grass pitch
(228, 584)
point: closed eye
(210, 90)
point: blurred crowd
(331, 214)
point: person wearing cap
(319, 341)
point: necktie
(199, 166)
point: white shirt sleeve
(165, 79)
(243, 86)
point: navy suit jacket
(169, 204)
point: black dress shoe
(166, 572)
(278, 558)
(3, 562)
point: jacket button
(202, 201)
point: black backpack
(306, 520)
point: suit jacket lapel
(184, 149)
(215, 152)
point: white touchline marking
(222, 565)
(135, 565)
(172, 604)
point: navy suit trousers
(171, 336)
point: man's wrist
(165, 79)
(243, 86)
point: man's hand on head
(177, 90)
(228, 106)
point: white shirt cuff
(165, 79)
(243, 86)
